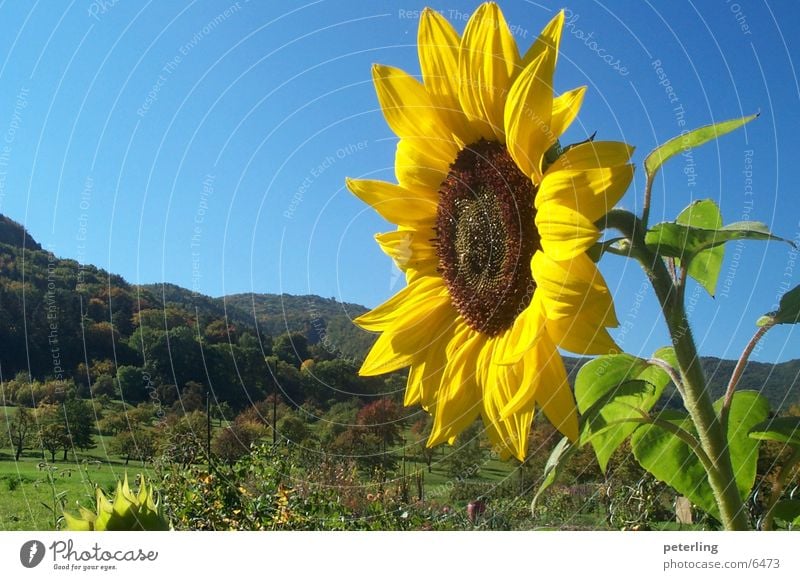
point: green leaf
(788, 511)
(788, 311)
(676, 240)
(706, 264)
(672, 461)
(552, 469)
(748, 409)
(695, 138)
(780, 429)
(610, 391)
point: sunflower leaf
(686, 141)
(780, 429)
(672, 461)
(674, 240)
(788, 311)
(748, 409)
(706, 264)
(612, 391)
(561, 453)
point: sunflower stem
(696, 396)
(739, 371)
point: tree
(466, 455)
(20, 430)
(79, 422)
(193, 398)
(182, 438)
(381, 421)
(291, 348)
(132, 384)
(234, 441)
(292, 428)
(53, 438)
(138, 444)
(104, 385)
(52, 434)
(384, 418)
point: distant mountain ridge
(320, 320)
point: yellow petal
(411, 297)
(524, 333)
(528, 115)
(395, 203)
(411, 249)
(555, 399)
(409, 111)
(424, 379)
(593, 154)
(458, 402)
(438, 44)
(549, 40)
(565, 109)
(551, 391)
(407, 338)
(509, 435)
(418, 170)
(571, 287)
(487, 61)
(583, 334)
(533, 364)
(564, 232)
(591, 192)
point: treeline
(72, 330)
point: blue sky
(206, 143)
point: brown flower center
(486, 236)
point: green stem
(696, 396)
(739, 370)
(671, 373)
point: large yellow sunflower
(492, 232)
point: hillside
(80, 323)
(15, 234)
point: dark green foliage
(79, 421)
(291, 348)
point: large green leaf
(695, 138)
(610, 391)
(748, 409)
(788, 311)
(676, 240)
(706, 264)
(672, 461)
(780, 429)
(561, 453)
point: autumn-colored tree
(235, 441)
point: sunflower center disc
(486, 236)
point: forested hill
(90, 328)
(15, 234)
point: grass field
(30, 491)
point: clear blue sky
(206, 143)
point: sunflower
(494, 221)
